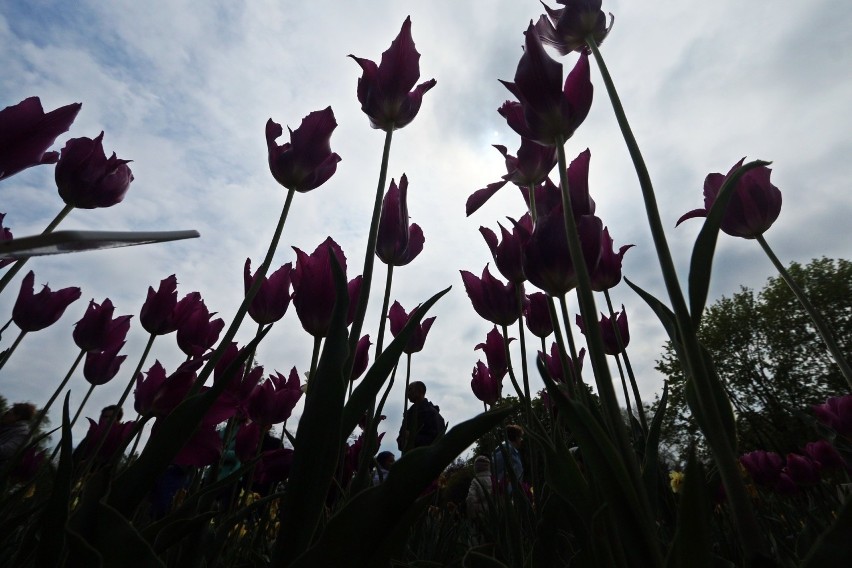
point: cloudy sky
(184, 89)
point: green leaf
(52, 523)
(665, 315)
(476, 559)
(177, 530)
(701, 264)
(362, 525)
(650, 466)
(834, 544)
(692, 545)
(120, 544)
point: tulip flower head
(97, 329)
(548, 112)
(102, 366)
(313, 286)
(197, 332)
(385, 90)
(362, 358)
(306, 161)
(87, 179)
(537, 315)
(607, 274)
(114, 436)
(157, 315)
(492, 300)
(26, 132)
(494, 348)
(202, 449)
(508, 253)
(397, 242)
(399, 317)
(5, 235)
(273, 401)
(485, 386)
(754, 206)
(158, 394)
(836, 413)
(825, 454)
(802, 469)
(33, 312)
(273, 298)
(554, 365)
(613, 344)
(566, 29)
(763, 467)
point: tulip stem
(384, 316)
(19, 264)
(37, 422)
(749, 533)
(519, 294)
(640, 408)
(572, 348)
(82, 404)
(4, 356)
(560, 343)
(522, 394)
(314, 359)
(136, 371)
(820, 324)
(533, 213)
(367, 273)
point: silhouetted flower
(754, 206)
(114, 437)
(102, 366)
(508, 253)
(802, 469)
(397, 242)
(362, 358)
(492, 300)
(537, 315)
(196, 332)
(608, 271)
(273, 400)
(399, 317)
(158, 394)
(485, 386)
(825, 454)
(97, 329)
(610, 341)
(836, 413)
(494, 348)
(306, 161)
(26, 133)
(566, 29)
(202, 449)
(157, 314)
(385, 90)
(554, 365)
(763, 467)
(33, 312)
(273, 298)
(5, 235)
(87, 179)
(547, 111)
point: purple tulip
(102, 366)
(158, 394)
(5, 235)
(763, 467)
(397, 242)
(531, 167)
(196, 332)
(802, 469)
(548, 112)
(247, 440)
(385, 90)
(485, 386)
(548, 196)
(825, 454)
(608, 271)
(836, 413)
(306, 161)
(239, 387)
(537, 315)
(313, 287)
(508, 253)
(26, 133)
(97, 328)
(202, 449)
(114, 437)
(87, 179)
(274, 466)
(492, 300)
(608, 333)
(33, 312)
(566, 29)
(399, 317)
(554, 365)
(273, 298)
(547, 261)
(273, 401)
(755, 203)
(362, 358)
(157, 315)
(494, 348)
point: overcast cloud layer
(184, 88)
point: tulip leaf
(177, 530)
(634, 522)
(701, 265)
(131, 486)
(650, 466)
(664, 313)
(365, 393)
(120, 544)
(834, 544)
(476, 559)
(692, 546)
(318, 444)
(361, 527)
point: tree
(771, 361)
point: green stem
(367, 273)
(821, 326)
(19, 264)
(136, 438)
(572, 348)
(314, 359)
(640, 408)
(519, 293)
(560, 343)
(384, 316)
(4, 357)
(82, 404)
(405, 440)
(522, 394)
(136, 371)
(533, 213)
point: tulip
(33, 312)
(547, 261)
(313, 287)
(196, 332)
(247, 440)
(763, 467)
(537, 315)
(610, 340)
(97, 329)
(399, 317)
(486, 387)
(494, 348)
(306, 162)
(274, 466)
(239, 387)
(203, 448)
(508, 253)
(114, 435)
(397, 242)
(548, 112)
(273, 298)
(362, 358)
(548, 196)
(87, 179)
(608, 271)
(157, 314)
(566, 29)
(5, 235)
(273, 401)
(26, 133)
(836, 413)
(825, 454)
(385, 90)
(554, 366)
(802, 469)
(492, 300)
(530, 168)
(754, 206)
(102, 366)
(158, 394)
